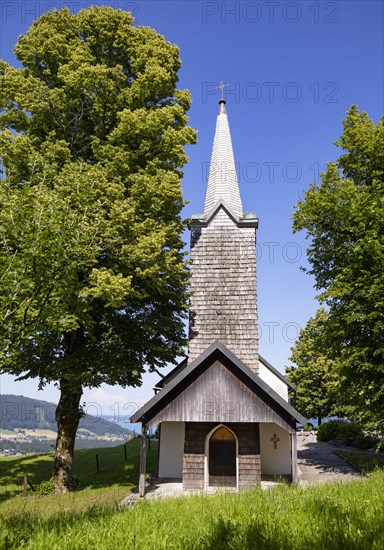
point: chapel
(223, 413)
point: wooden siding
(194, 455)
(249, 460)
(223, 285)
(218, 396)
(249, 463)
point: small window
(222, 434)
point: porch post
(294, 469)
(143, 460)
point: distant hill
(17, 411)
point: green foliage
(44, 488)
(349, 431)
(329, 430)
(308, 427)
(93, 277)
(314, 375)
(343, 218)
(365, 442)
(93, 281)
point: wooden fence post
(25, 485)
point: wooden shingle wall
(249, 463)
(223, 284)
(194, 452)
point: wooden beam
(294, 468)
(143, 461)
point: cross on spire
(222, 180)
(222, 87)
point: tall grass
(347, 516)
(363, 462)
(107, 488)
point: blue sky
(293, 69)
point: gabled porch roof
(186, 374)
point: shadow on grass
(363, 462)
(113, 468)
(12, 471)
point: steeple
(222, 180)
(223, 304)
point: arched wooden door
(222, 458)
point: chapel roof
(183, 364)
(186, 376)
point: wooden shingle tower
(223, 413)
(223, 253)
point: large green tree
(92, 272)
(314, 373)
(344, 219)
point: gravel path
(318, 463)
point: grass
(104, 489)
(363, 462)
(333, 516)
(328, 517)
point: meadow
(346, 516)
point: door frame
(206, 455)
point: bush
(349, 431)
(44, 488)
(364, 442)
(329, 430)
(308, 427)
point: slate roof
(183, 376)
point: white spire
(222, 181)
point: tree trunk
(319, 420)
(68, 416)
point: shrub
(364, 442)
(329, 430)
(308, 427)
(349, 431)
(44, 488)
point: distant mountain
(17, 411)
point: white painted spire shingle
(222, 181)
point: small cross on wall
(275, 439)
